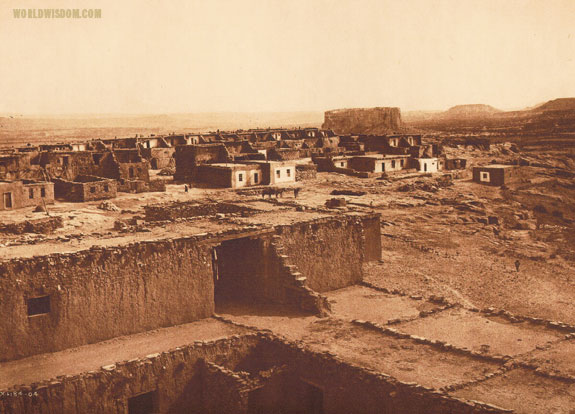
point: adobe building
(20, 194)
(18, 165)
(379, 163)
(229, 175)
(188, 157)
(65, 300)
(494, 174)
(390, 144)
(427, 165)
(238, 175)
(85, 188)
(454, 164)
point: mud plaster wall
(351, 389)
(177, 376)
(330, 252)
(100, 294)
(185, 384)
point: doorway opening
(146, 403)
(290, 396)
(237, 267)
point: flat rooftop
(92, 357)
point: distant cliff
(469, 111)
(555, 116)
(363, 120)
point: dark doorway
(143, 403)
(286, 397)
(7, 200)
(237, 266)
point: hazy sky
(157, 56)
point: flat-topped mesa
(380, 120)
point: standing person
(517, 264)
(185, 188)
(296, 192)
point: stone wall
(305, 172)
(103, 293)
(218, 377)
(329, 252)
(363, 120)
(45, 225)
(87, 188)
(173, 211)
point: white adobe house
(429, 165)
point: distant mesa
(560, 104)
(380, 120)
(469, 111)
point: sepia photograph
(287, 207)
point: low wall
(45, 225)
(173, 211)
(305, 172)
(217, 377)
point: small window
(278, 173)
(401, 163)
(288, 172)
(240, 177)
(393, 164)
(30, 193)
(38, 306)
(92, 189)
(342, 164)
(42, 192)
(106, 188)
(256, 178)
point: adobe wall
(103, 293)
(17, 194)
(99, 190)
(330, 251)
(134, 171)
(177, 375)
(217, 177)
(173, 211)
(44, 225)
(189, 156)
(217, 376)
(305, 172)
(35, 190)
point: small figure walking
(186, 188)
(295, 192)
(517, 264)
